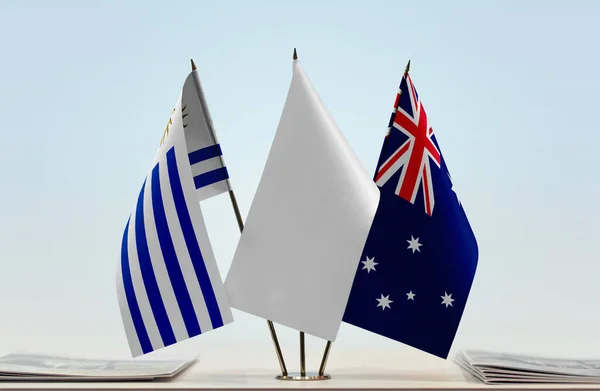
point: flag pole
(236, 209)
(324, 359)
(321, 374)
(302, 356)
(302, 347)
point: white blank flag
(309, 220)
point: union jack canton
(414, 155)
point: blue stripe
(208, 178)
(170, 257)
(192, 244)
(156, 302)
(205, 154)
(134, 309)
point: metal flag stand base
(302, 375)
(308, 376)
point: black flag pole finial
(295, 54)
(193, 65)
(407, 68)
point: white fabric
(309, 220)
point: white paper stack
(498, 368)
(36, 367)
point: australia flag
(420, 257)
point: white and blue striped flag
(168, 284)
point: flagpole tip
(407, 67)
(193, 65)
(295, 55)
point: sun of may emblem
(166, 133)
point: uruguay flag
(168, 284)
(419, 260)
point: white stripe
(182, 252)
(203, 240)
(139, 288)
(132, 338)
(429, 183)
(206, 165)
(396, 165)
(405, 162)
(212, 190)
(165, 285)
(420, 182)
(414, 119)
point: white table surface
(350, 369)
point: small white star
(447, 299)
(413, 244)
(369, 264)
(384, 302)
(411, 296)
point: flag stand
(303, 375)
(236, 208)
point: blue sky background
(510, 87)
